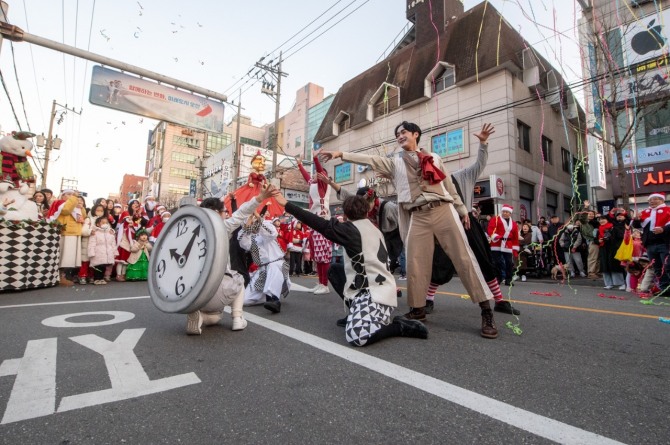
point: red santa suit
(504, 235)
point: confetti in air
(102, 33)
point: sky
(212, 44)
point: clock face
(188, 260)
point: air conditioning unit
(362, 168)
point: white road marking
(60, 321)
(519, 418)
(56, 303)
(525, 420)
(126, 373)
(34, 391)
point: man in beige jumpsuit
(429, 209)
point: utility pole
(268, 89)
(236, 155)
(50, 142)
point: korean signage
(646, 38)
(296, 196)
(120, 91)
(449, 143)
(646, 155)
(482, 189)
(192, 190)
(343, 172)
(637, 86)
(597, 174)
(643, 180)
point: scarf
(429, 172)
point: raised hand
(326, 156)
(487, 130)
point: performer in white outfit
(231, 290)
(270, 283)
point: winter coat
(66, 218)
(101, 247)
(136, 251)
(86, 229)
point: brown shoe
(65, 282)
(120, 278)
(416, 313)
(489, 329)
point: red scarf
(601, 231)
(429, 172)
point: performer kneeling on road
(429, 209)
(231, 290)
(370, 287)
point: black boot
(272, 304)
(411, 328)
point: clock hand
(187, 250)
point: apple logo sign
(649, 40)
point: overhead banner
(120, 91)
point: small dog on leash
(556, 270)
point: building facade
(132, 187)
(479, 78)
(627, 99)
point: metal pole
(16, 34)
(236, 155)
(160, 170)
(5, 9)
(276, 138)
(49, 143)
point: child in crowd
(102, 250)
(296, 239)
(138, 261)
(85, 274)
(165, 216)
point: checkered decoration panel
(28, 257)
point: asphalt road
(585, 369)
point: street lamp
(201, 164)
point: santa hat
(66, 191)
(507, 208)
(656, 195)
(258, 155)
(55, 209)
(116, 204)
(148, 197)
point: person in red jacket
(504, 235)
(296, 242)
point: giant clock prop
(188, 260)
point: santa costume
(321, 248)
(504, 235)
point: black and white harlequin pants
(365, 318)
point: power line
(32, 58)
(291, 38)
(4, 85)
(16, 74)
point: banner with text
(120, 91)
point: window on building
(655, 129)
(388, 101)
(186, 141)
(615, 46)
(552, 203)
(183, 157)
(566, 159)
(249, 141)
(344, 124)
(216, 142)
(523, 137)
(446, 79)
(298, 141)
(546, 150)
(567, 206)
(341, 123)
(178, 189)
(176, 172)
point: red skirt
(247, 193)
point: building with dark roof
(454, 71)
